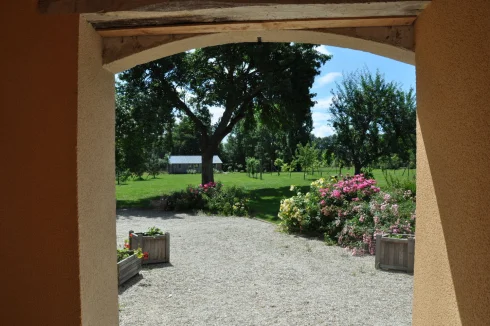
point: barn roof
(191, 159)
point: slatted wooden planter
(127, 268)
(395, 254)
(157, 246)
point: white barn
(182, 163)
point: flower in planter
(125, 253)
(145, 255)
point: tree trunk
(357, 168)
(261, 167)
(207, 172)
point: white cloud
(323, 131)
(323, 103)
(216, 113)
(327, 79)
(319, 116)
(323, 50)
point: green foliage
(278, 163)
(351, 211)
(122, 175)
(265, 195)
(396, 182)
(307, 156)
(153, 231)
(258, 83)
(211, 198)
(155, 165)
(141, 133)
(126, 253)
(229, 201)
(252, 166)
(372, 118)
(185, 139)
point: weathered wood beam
(396, 42)
(97, 6)
(259, 26)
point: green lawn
(266, 193)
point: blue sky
(346, 61)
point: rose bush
(350, 212)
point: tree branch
(227, 123)
(185, 109)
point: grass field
(266, 193)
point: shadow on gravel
(128, 213)
(132, 281)
(136, 280)
(157, 266)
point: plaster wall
(95, 180)
(452, 258)
(57, 207)
(38, 139)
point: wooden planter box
(128, 268)
(157, 247)
(395, 254)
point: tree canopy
(267, 83)
(372, 118)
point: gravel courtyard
(240, 271)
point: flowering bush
(211, 198)
(228, 201)
(350, 212)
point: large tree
(268, 83)
(371, 117)
(141, 132)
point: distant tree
(185, 139)
(278, 163)
(156, 164)
(140, 133)
(364, 115)
(306, 156)
(252, 166)
(289, 167)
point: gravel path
(239, 271)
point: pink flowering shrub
(350, 212)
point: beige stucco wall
(57, 133)
(95, 176)
(452, 264)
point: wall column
(57, 205)
(96, 183)
(452, 262)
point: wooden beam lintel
(260, 26)
(100, 6)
